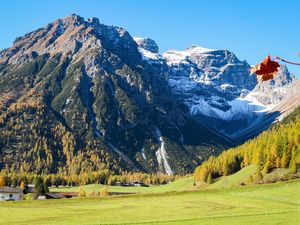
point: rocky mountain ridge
(77, 94)
(80, 95)
(219, 89)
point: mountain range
(80, 94)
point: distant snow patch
(174, 57)
(143, 153)
(150, 56)
(68, 100)
(239, 108)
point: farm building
(58, 195)
(11, 194)
(30, 188)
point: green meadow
(175, 203)
(184, 184)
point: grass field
(235, 179)
(261, 204)
(184, 184)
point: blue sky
(251, 29)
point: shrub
(81, 192)
(104, 191)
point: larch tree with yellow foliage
(22, 185)
(2, 181)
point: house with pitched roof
(11, 194)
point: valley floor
(261, 204)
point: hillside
(278, 147)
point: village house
(135, 183)
(11, 194)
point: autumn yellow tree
(2, 181)
(22, 185)
(209, 179)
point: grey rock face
(277, 90)
(73, 36)
(204, 75)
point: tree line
(105, 177)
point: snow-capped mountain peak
(216, 84)
(149, 50)
(175, 57)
